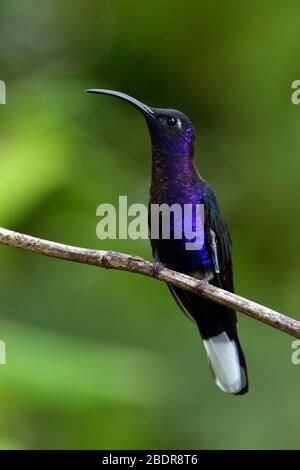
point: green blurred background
(102, 359)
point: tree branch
(120, 261)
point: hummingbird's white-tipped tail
(225, 362)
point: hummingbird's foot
(205, 280)
(203, 283)
(157, 266)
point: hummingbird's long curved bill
(146, 110)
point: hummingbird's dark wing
(218, 241)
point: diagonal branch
(120, 261)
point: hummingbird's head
(171, 131)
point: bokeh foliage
(100, 359)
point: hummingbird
(175, 180)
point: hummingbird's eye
(171, 121)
